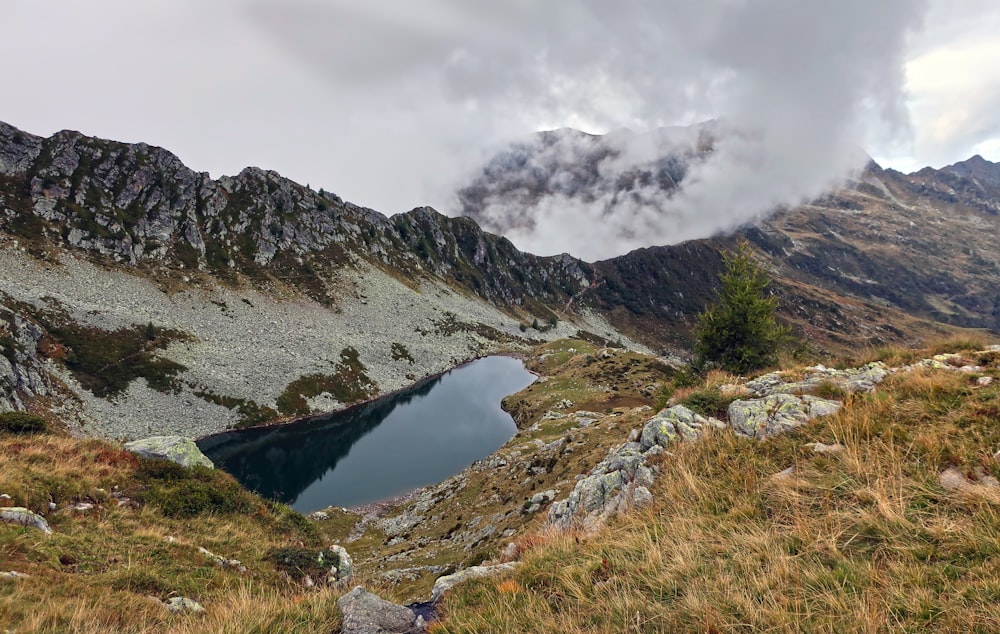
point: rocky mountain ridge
(278, 300)
(275, 300)
(859, 260)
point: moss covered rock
(177, 449)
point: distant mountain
(582, 166)
(971, 183)
(919, 243)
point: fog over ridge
(396, 105)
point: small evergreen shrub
(22, 423)
(739, 333)
(298, 563)
(181, 492)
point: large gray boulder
(447, 582)
(177, 449)
(367, 613)
(777, 413)
(24, 517)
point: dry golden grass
(898, 355)
(108, 569)
(865, 540)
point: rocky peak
(139, 204)
(18, 149)
(977, 168)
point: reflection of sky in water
(419, 442)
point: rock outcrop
(623, 478)
(777, 413)
(342, 570)
(367, 613)
(23, 372)
(862, 379)
(177, 449)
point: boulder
(342, 571)
(777, 413)
(367, 613)
(673, 423)
(24, 517)
(180, 605)
(447, 582)
(177, 449)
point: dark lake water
(382, 449)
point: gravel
(249, 345)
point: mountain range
(140, 296)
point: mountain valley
(140, 298)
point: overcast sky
(391, 103)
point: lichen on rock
(177, 449)
(777, 413)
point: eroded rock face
(22, 371)
(777, 413)
(623, 478)
(367, 613)
(177, 449)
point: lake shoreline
(412, 439)
(282, 422)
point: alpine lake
(381, 449)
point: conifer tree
(739, 333)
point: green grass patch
(251, 412)
(348, 384)
(707, 401)
(401, 353)
(182, 492)
(107, 361)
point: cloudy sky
(391, 104)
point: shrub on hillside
(299, 563)
(188, 492)
(22, 423)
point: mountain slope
(261, 297)
(247, 298)
(862, 261)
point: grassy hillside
(898, 531)
(108, 567)
(878, 537)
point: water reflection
(385, 448)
